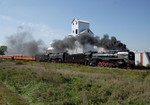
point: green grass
(71, 84)
(7, 97)
(2, 101)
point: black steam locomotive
(123, 59)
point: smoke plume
(22, 43)
(86, 39)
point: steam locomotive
(123, 59)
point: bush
(140, 67)
(18, 62)
(12, 58)
(1, 60)
(26, 60)
(148, 66)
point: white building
(142, 58)
(79, 26)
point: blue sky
(127, 20)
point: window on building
(76, 31)
(73, 23)
(73, 31)
(76, 23)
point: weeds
(1, 60)
(7, 97)
(148, 66)
(18, 62)
(12, 59)
(66, 84)
(26, 60)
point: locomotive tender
(123, 59)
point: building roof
(87, 31)
(83, 21)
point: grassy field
(72, 84)
(7, 97)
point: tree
(3, 49)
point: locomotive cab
(88, 58)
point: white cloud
(7, 18)
(39, 31)
(29, 24)
(43, 31)
(46, 31)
